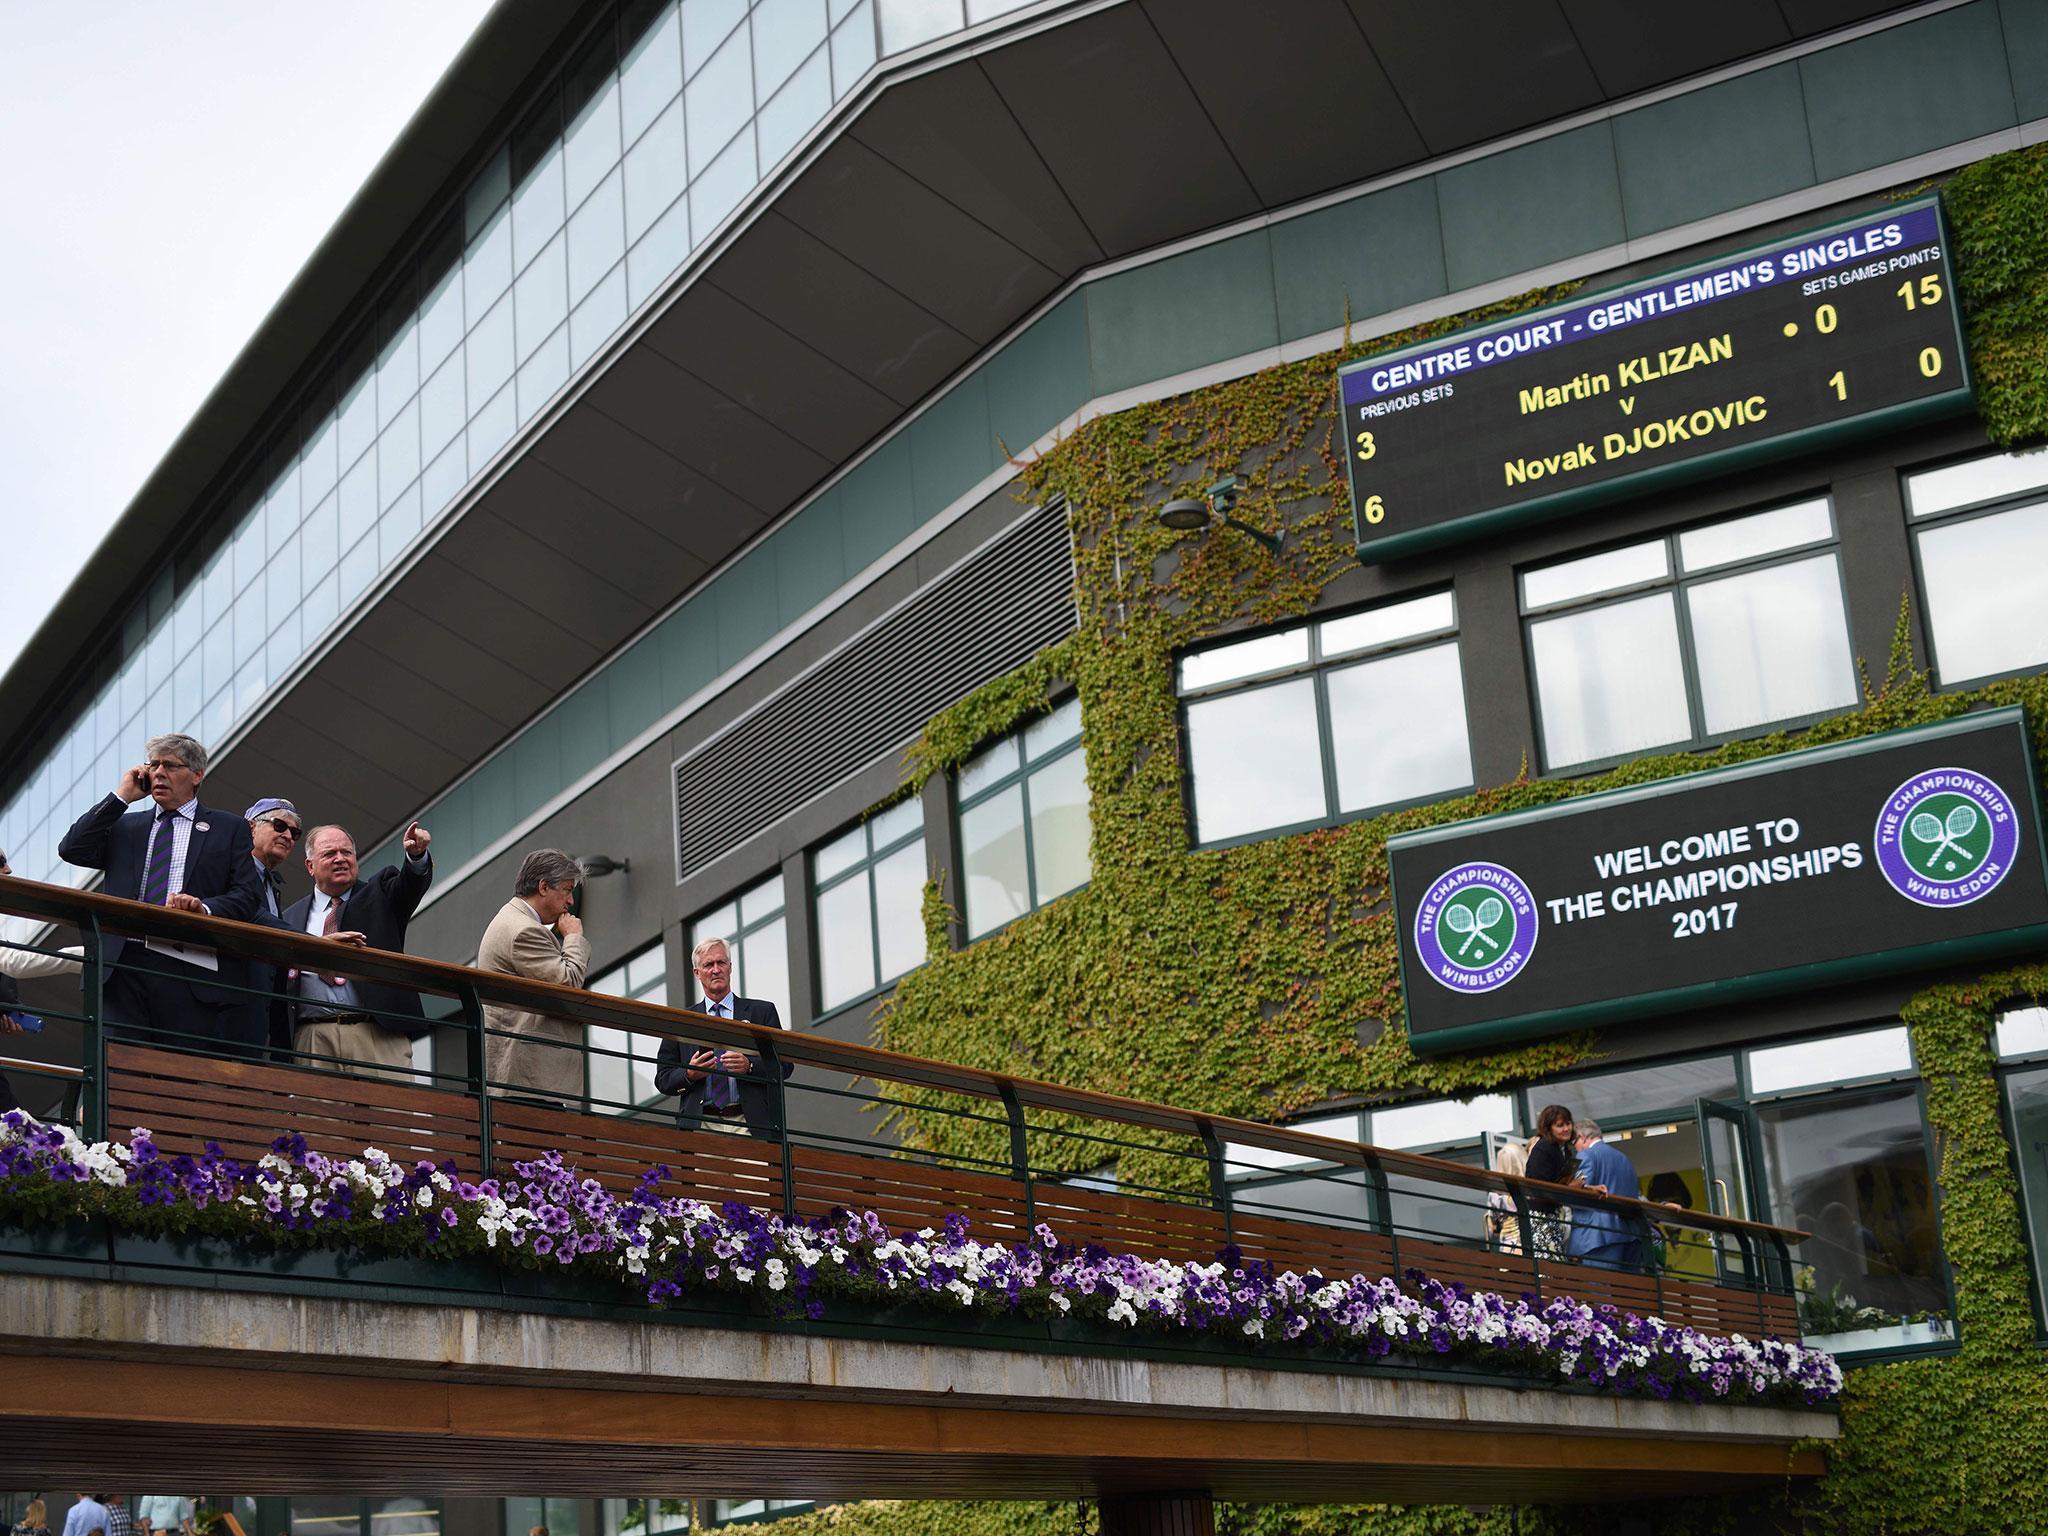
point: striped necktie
(156, 880)
(719, 1090)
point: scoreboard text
(1746, 357)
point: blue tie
(156, 881)
(720, 1092)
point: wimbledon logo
(1946, 837)
(1476, 927)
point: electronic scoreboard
(1744, 357)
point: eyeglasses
(165, 763)
(278, 825)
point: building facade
(731, 441)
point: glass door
(1726, 1140)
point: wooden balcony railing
(189, 1091)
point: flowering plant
(667, 1247)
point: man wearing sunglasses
(274, 830)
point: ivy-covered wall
(1236, 979)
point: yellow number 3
(1366, 448)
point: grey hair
(1588, 1128)
(704, 947)
(180, 746)
(545, 866)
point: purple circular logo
(1946, 837)
(1476, 927)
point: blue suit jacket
(219, 869)
(1604, 1164)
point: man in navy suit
(367, 1026)
(726, 1081)
(274, 829)
(186, 855)
(1607, 1239)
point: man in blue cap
(274, 830)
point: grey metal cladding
(987, 615)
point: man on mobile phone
(184, 855)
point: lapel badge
(200, 826)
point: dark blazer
(266, 978)
(757, 1101)
(219, 869)
(379, 908)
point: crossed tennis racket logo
(1942, 838)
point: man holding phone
(185, 855)
(363, 1028)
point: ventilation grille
(987, 616)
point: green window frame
(1013, 798)
(1993, 507)
(1285, 729)
(1657, 603)
(867, 906)
(618, 1069)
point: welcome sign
(1881, 855)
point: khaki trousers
(362, 1044)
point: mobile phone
(30, 1023)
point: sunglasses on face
(278, 825)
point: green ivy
(1262, 980)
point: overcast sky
(170, 165)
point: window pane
(853, 49)
(1986, 479)
(764, 963)
(992, 858)
(1440, 1121)
(1808, 1063)
(651, 75)
(1987, 593)
(2028, 1095)
(1609, 682)
(1744, 538)
(761, 901)
(610, 1075)
(906, 23)
(541, 300)
(1616, 1096)
(1380, 626)
(441, 322)
(839, 855)
(591, 147)
(793, 113)
(326, 1517)
(487, 268)
(1853, 1174)
(899, 910)
(721, 98)
(1595, 573)
(489, 353)
(1771, 644)
(844, 943)
(597, 237)
(654, 172)
(443, 407)
(706, 24)
(785, 32)
(1256, 761)
(405, 1516)
(1244, 658)
(723, 185)
(896, 823)
(1430, 753)
(987, 766)
(1058, 794)
(2023, 1032)
(1054, 730)
(537, 208)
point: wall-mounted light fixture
(596, 864)
(1187, 515)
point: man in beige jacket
(534, 935)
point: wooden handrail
(41, 1068)
(62, 904)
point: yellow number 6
(1375, 509)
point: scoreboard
(1746, 357)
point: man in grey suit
(536, 935)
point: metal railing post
(772, 1058)
(1020, 1152)
(478, 1078)
(1380, 1201)
(1219, 1180)
(1525, 1223)
(94, 1055)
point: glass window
(544, 373)
(706, 24)
(489, 353)
(652, 74)
(1743, 637)
(443, 407)
(1982, 537)
(1291, 728)
(655, 172)
(724, 184)
(793, 112)
(1638, 1091)
(487, 266)
(721, 98)
(757, 932)
(853, 49)
(1852, 1172)
(2023, 1032)
(405, 1516)
(785, 34)
(441, 318)
(620, 1067)
(1439, 1122)
(2026, 1102)
(597, 237)
(522, 1515)
(906, 23)
(867, 898)
(1835, 1059)
(398, 364)
(541, 298)
(537, 207)
(593, 321)
(591, 147)
(1024, 821)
